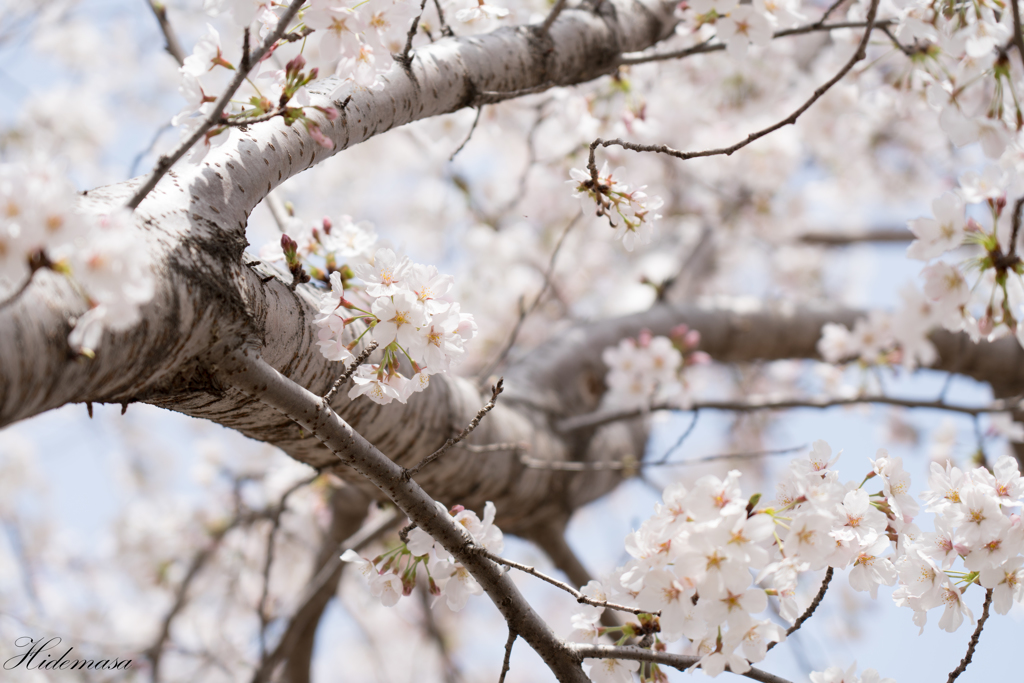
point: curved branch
(860, 54)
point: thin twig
(505, 665)
(278, 211)
(343, 380)
(838, 239)
(632, 464)
(680, 662)
(1018, 36)
(680, 440)
(446, 30)
(580, 597)
(18, 292)
(524, 313)
(275, 525)
(810, 608)
(495, 391)
(404, 59)
(955, 673)
(366, 535)
(495, 96)
(1018, 209)
(598, 418)
(479, 111)
(173, 47)
(727, 151)
(497, 447)
(832, 8)
(552, 15)
(165, 162)
(707, 46)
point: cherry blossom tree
(555, 236)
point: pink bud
(327, 225)
(644, 338)
(692, 339)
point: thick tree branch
(248, 372)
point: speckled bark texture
(210, 301)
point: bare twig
(580, 597)
(810, 608)
(343, 380)
(155, 651)
(404, 59)
(479, 111)
(955, 673)
(366, 535)
(497, 447)
(600, 417)
(789, 120)
(173, 47)
(524, 312)
(832, 239)
(680, 662)
(495, 96)
(278, 211)
(214, 117)
(707, 46)
(552, 15)
(832, 8)
(495, 391)
(1018, 209)
(446, 30)
(632, 464)
(680, 440)
(1018, 36)
(275, 525)
(505, 665)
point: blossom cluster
(978, 522)
(355, 39)
(613, 198)
(393, 574)
(709, 558)
(648, 369)
(883, 338)
(401, 305)
(962, 65)
(993, 305)
(982, 294)
(105, 256)
(268, 91)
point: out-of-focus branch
(173, 47)
(603, 417)
(314, 598)
(838, 239)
